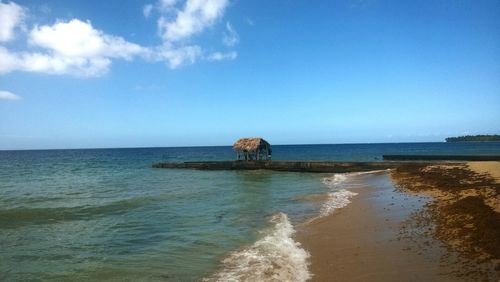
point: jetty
(254, 153)
(292, 166)
(441, 157)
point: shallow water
(80, 215)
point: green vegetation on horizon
(474, 138)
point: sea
(107, 215)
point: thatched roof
(250, 144)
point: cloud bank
(77, 48)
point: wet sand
(393, 230)
(363, 241)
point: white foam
(335, 180)
(336, 200)
(340, 197)
(339, 179)
(274, 257)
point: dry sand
(490, 168)
(414, 233)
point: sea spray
(274, 257)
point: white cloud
(52, 63)
(179, 21)
(230, 38)
(146, 10)
(167, 5)
(11, 16)
(72, 47)
(176, 56)
(219, 56)
(75, 47)
(6, 95)
(164, 7)
(8, 61)
(79, 39)
(195, 16)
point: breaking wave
(336, 200)
(340, 196)
(274, 257)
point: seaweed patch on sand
(463, 214)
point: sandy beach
(415, 223)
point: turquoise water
(86, 215)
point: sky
(158, 73)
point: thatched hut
(252, 149)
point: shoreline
(362, 241)
(389, 234)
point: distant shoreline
(474, 138)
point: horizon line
(205, 146)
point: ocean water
(107, 215)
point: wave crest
(340, 196)
(336, 200)
(274, 257)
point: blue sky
(83, 74)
